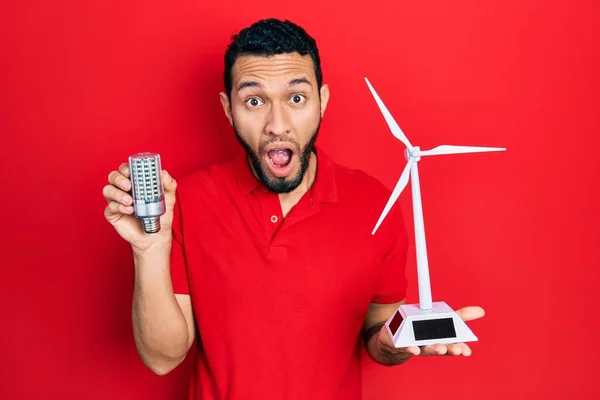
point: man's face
(275, 111)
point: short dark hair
(269, 37)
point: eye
(298, 98)
(253, 102)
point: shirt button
(274, 219)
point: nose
(278, 122)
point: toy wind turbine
(428, 322)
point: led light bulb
(147, 189)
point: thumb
(386, 341)
(169, 182)
(470, 313)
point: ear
(324, 98)
(226, 106)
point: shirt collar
(323, 189)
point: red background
(84, 84)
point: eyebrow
(298, 81)
(255, 84)
(249, 84)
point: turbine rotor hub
(415, 153)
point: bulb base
(151, 225)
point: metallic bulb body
(147, 190)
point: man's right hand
(119, 211)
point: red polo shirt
(279, 302)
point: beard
(273, 183)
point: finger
(119, 180)
(124, 169)
(169, 182)
(441, 349)
(112, 193)
(455, 349)
(466, 350)
(414, 350)
(114, 209)
(470, 313)
(434, 350)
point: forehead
(280, 67)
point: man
(268, 261)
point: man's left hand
(392, 355)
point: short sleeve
(392, 283)
(177, 261)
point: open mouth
(279, 160)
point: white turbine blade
(395, 193)
(389, 119)
(448, 149)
